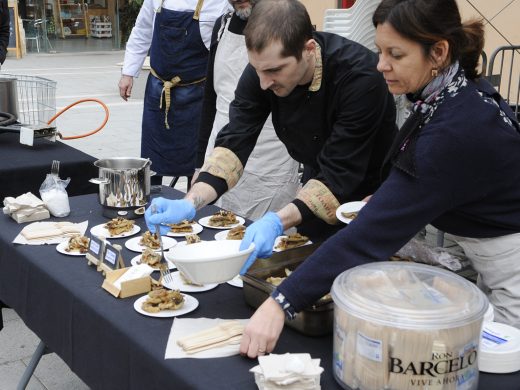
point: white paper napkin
(183, 327)
(25, 208)
(288, 371)
(135, 272)
(50, 232)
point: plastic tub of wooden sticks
(400, 325)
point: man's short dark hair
(286, 21)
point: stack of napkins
(38, 233)
(25, 208)
(288, 371)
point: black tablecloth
(23, 168)
(111, 346)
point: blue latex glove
(168, 211)
(263, 233)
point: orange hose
(72, 105)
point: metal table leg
(41, 350)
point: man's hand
(168, 211)
(125, 86)
(263, 330)
(263, 233)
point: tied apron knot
(166, 92)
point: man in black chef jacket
(329, 106)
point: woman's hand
(367, 198)
(263, 330)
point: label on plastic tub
(492, 339)
(369, 348)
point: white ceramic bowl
(210, 261)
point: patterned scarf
(448, 83)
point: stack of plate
(499, 348)
(489, 315)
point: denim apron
(174, 92)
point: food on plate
(119, 225)
(185, 280)
(349, 215)
(150, 240)
(292, 241)
(192, 239)
(223, 218)
(151, 258)
(162, 299)
(237, 233)
(78, 243)
(183, 226)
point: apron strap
(158, 10)
(196, 15)
(166, 92)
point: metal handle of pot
(99, 180)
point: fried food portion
(151, 258)
(119, 225)
(183, 226)
(237, 233)
(192, 239)
(185, 280)
(78, 243)
(150, 240)
(292, 241)
(349, 215)
(223, 218)
(277, 280)
(162, 299)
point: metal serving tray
(313, 321)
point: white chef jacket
(141, 36)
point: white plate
(279, 238)
(137, 260)
(196, 230)
(236, 282)
(178, 284)
(222, 235)
(204, 222)
(350, 207)
(101, 231)
(190, 304)
(133, 244)
(63, 245)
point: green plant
(127, 16)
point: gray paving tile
(17, 341)
(10, 374)
(9, 315)
(54, 374)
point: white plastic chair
(354, 23)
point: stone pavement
(78, 76)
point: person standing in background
(4, 30)
(270, 178)
(177, 34)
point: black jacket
(4, 29)
(341, 133)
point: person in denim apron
(175, 86)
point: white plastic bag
(54, 195)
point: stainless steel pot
(124, 186)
